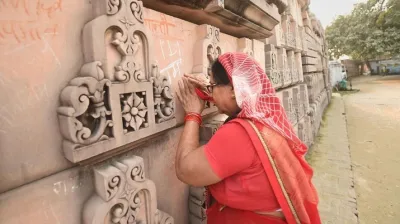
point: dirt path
(373, 122)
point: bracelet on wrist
(194, 117)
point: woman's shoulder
(244, 124)
(232, 126)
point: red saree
(289, 176)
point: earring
(233, 96)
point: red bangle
(194, 117)
(194, 114)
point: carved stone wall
(119, 96)
(123, 195)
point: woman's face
(224, 98)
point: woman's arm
(191, 163)
(192, 166)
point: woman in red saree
(254, 165)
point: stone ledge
(250, 18)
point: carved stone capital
(123, 195)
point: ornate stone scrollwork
(83, 114)
(120, 96)
(123, 195)
(163, 98)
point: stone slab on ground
(333, 174)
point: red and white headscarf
(256, 96)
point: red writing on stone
(32, 7)
(24, 31)
(161, 27)
(22, 21)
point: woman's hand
(199, 81)
(186, 94)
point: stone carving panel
(302, 131)
(289, 31)
(299, 39)
(277, 38)
(297, 104)
(292, 67)
(206, 51)
(271, 66)
(286, 98)
(123, 195)
(299, 66)
(119, 96)
(283, 67)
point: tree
(370, 31)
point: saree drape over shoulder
(258, 156)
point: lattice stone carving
(119, 96)
(206, 50)
(245, 45)
(123, 195)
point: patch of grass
(348, 92)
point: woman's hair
(219, 73)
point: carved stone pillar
(292, 68)
(277, 38)
(206, 51)
(123, 195)
(304, 103)
(286, 98)
(283, 66)
(299, 66)
(289, 27)
(245, 45)
(119, 96)
(299, 38)
(299, 111)
(271, 66)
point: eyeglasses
(211, 87)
